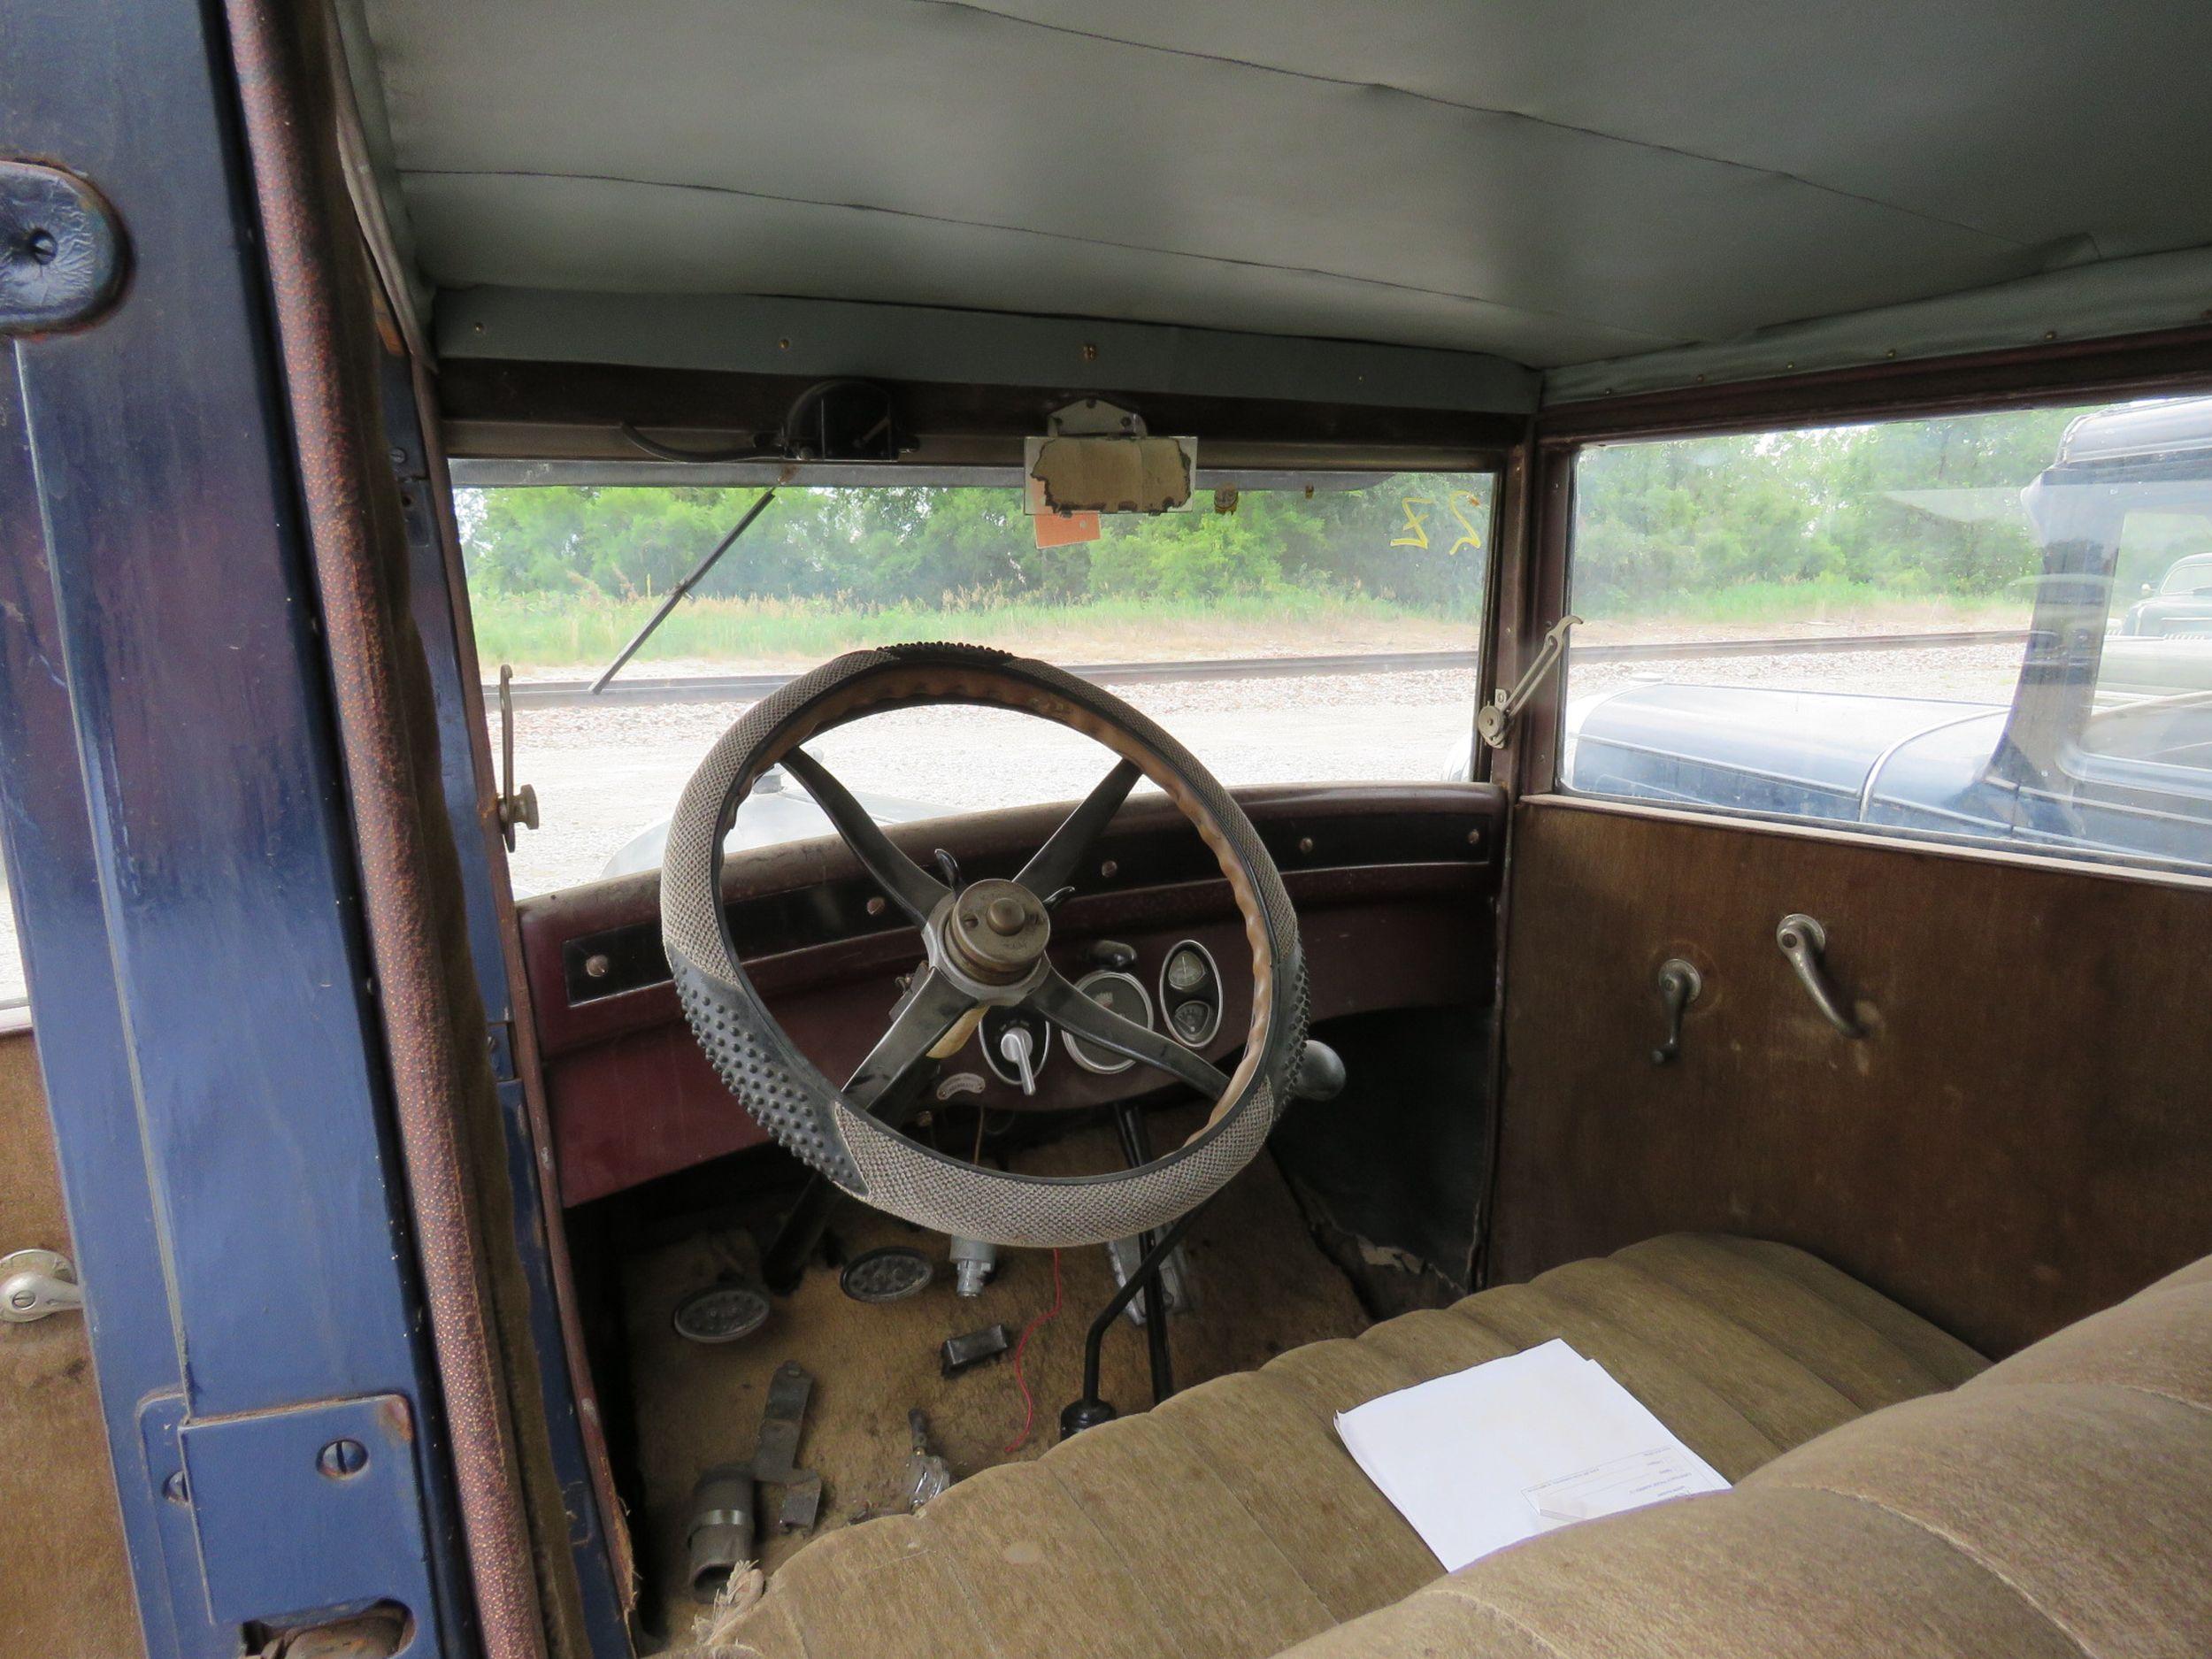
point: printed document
(1488, 1456)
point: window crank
(1678, 985)
(1494, 722)
(1803, 941)
(37, 1283)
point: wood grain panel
(2025, 1137)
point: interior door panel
(2020, 1138)
(66, 1581)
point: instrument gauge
(1190, 990)
(1122, 993)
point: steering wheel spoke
(929, 1012)
(912, 890)
(1077, 1015)
(1053, 867)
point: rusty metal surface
(419, 1019)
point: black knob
(1084, 1414)
(1320, 1074)
(1111, 953)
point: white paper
(1488, 1456)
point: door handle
(37, 1283)
(1804, 941)
(1678, 985)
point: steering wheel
(986, 942)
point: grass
(1790, 607)
(545, 632)
(548, 631)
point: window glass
(1361, 596)
(14, 992)
(1996, 627)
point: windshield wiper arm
(677, 593)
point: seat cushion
(1230, 1523)
(2059, 1503)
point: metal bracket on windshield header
(1494, 723)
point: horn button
(995, 931)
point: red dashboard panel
(1394, 887)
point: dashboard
(1394, 885)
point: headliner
(1661, 189)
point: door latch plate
(306, 1509)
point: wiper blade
(677, 593)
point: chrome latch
(1494, 723)
(37, 1283)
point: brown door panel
(64, 1577)
(2022, 1137)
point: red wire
(1029, 1405)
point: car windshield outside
(1299, 629)
(1988, 627)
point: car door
(2003, 1124)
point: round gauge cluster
(1121, 994)
(1190, 991)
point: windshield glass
(1312, 631)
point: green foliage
(1421, 538)
(1904, 510)
(1772, 527)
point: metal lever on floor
(1090, 1410)
(1804, 942)
(1678, 985)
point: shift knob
(1320, 1074)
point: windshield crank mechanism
(1494, 724)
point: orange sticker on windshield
(1062, 529)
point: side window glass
(1987, 627)
(15, 1001)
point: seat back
(2059, 1503)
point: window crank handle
(1678, 985)
(1803, 941)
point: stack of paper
(1488, 1456)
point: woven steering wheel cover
(807, 1114)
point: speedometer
(1123, 994)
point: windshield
(1307, 632)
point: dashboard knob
(1320, 1073)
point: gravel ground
(604, 774)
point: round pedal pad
(889, 1274)
(722, 1313)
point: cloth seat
(2058, 1504)
(1230, 1524)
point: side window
(15, 1000)
(1990, 627)
(1288, 628)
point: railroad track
(570, 694)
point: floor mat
(1261, 1287)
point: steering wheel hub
(995, 931)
